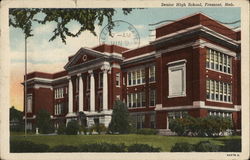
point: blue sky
(50, 57)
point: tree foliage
(87, 18)
(16, 120)
(43, 122)
(120, 118)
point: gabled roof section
(77, 58)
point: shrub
(100, 128)
(72, 127)
(102, 147)
(147, 131)
(209, 126)
(43, 122)
(206, 146)
(180, 126)
(64, 148)
(142, 148)
(27, 146)
(232, 145)
(61, 129)
(120, 118)
(182, 147)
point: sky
(51, 56)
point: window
(59, 109)
(177, 78)
(136, 100)
(29, 103)
(117, 79)
(58, 93)
(220, 114)
(151, 73)
(140, 121)
(100, 79)
(219, 91)
(152, 97)
(218, 61)
(129, 79)
(88, 82)
(136, 77)
(77, 84)
(152, 121)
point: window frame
(175, 66)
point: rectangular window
(100, 79)
(134, 100)
(218, 61)
(151, 73)
(129, 79)
(143, 75)
(88, 82)
(152, 97)
(177, 79)
(134, 78)
(208, 59)
(219, 91)
(138, 76)
(208, 89)
(77, 85)
(117, 79)
(29, 103)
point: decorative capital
(69, 78)
(105, 67)
(79, 74)
(90, 72)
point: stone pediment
(83, 55)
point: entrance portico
(83, 70)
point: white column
(80, 102)
(105, 69)
(92, 91)
(70, 90)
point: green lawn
(164, 142)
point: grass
(164, 142)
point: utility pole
(25, 87)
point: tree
(43, 122)
(72, 127)
(120, 118)
(87, 18)
(16, 120)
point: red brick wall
(161, 119)
(170, 57)
(43, 99)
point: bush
(147, 131)
(120, 118)
(209, 126)
(182, 147)
(64, 148)
(206, 146)
(100, 128)
(43, 122)
(72, 128)
(142, 148)
(180, 126)
(233, 145)
(61, 129)
(27, 146)
(102, 147)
